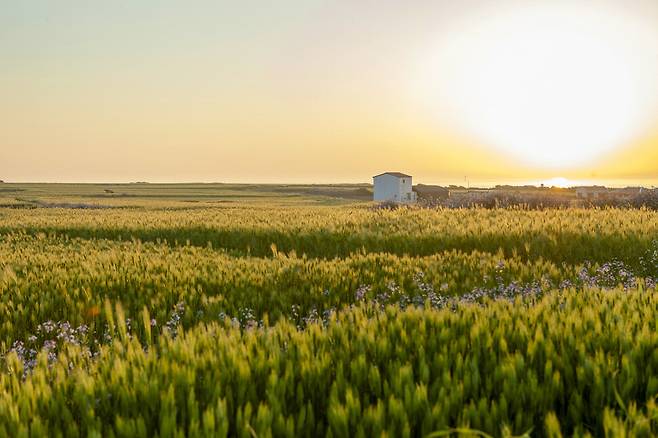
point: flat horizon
(563, 183)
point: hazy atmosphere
(306, 218)
(316, 91)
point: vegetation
(576, 362)
(277, 318)
(326, 232)
(543, 199)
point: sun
(554, 86)
(559, 181)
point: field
(255, 311)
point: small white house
(393, 187)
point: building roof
(395, 174)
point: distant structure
(592, 192)
(393, 187)
(628, 193)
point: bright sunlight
(554, 86)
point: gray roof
(396, 174)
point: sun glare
(556, 86)
(558, 182)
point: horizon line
(605, 182)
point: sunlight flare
(559, 181)
(555, 86)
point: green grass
(168, 195)
(214, 310)
(578, 362)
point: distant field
(141, 194)
(258, 310)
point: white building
(393, 187)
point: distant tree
(647, 199)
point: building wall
(406, 188)
(391, 188)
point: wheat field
(248, 312)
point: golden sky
(329, 91)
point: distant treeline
(536, 200)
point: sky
(329, 91)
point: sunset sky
(329, 91)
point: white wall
(391, 188)
(406, 192)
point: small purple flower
(361, 293)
